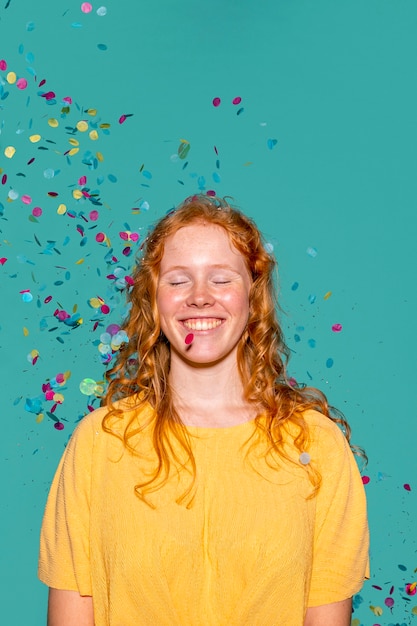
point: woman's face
(203, 289)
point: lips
(207, 323)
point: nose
(200, 295)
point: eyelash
(216, 282)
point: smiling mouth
(202, 324)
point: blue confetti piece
(402, 568)
(297, 338)
(216, 177)
(147, 174)
(101, 46)
(112, 178)
(312, 298)
(312, 343)
(329, 363)
(311, 252)
(294, 286)
(271, 143)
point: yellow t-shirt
(252, 550)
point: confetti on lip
(189, 339)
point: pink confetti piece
(93, 216)
(216, 102)
(21, 83)
(389, 602)
(26, 199)
(100, 237)
(86, 7)
(82, 180)
(105, 309)
(189, 339)
(4, 179)
(411, 589)
(3, 260)
(49, 95)
(237, 100)
(59, 426)
(407, 487)
(47, 299)
(3, 65)
(365, 480)
(336, 328)
(129, 280)
(67, 99)
(37, 211)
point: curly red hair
(142, 366)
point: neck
(209, 396)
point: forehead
(199, 240)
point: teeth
(206, 324)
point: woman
(209, 491)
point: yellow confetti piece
(77, 194)
(62, 209)
(100, 157)
(92, 112)
(248, 163)
(58, 397)
(75, 308)
(376, 610)
(53, 122)
(105, 125)
(34, 354)
(39, 418)
(9, 152)
(73, 151)
(414, 610)
(184, 141)
(73, 142)
(93, 135)
(67, 375)
(327, 295)
(79, 262)
(11, 78)
(82, 126)
(35, 138)
(25, 332)
(356, 622)
(96, 302)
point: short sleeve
(341, 538)
(64, 561)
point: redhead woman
(209, 490)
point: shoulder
(125, 410)
(327, 441)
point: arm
(334, 614)
(68, 608)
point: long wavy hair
(142, 366)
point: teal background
(334, 83)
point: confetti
(189, 339)
(86, 7)
(216, 102)
(336, 328)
